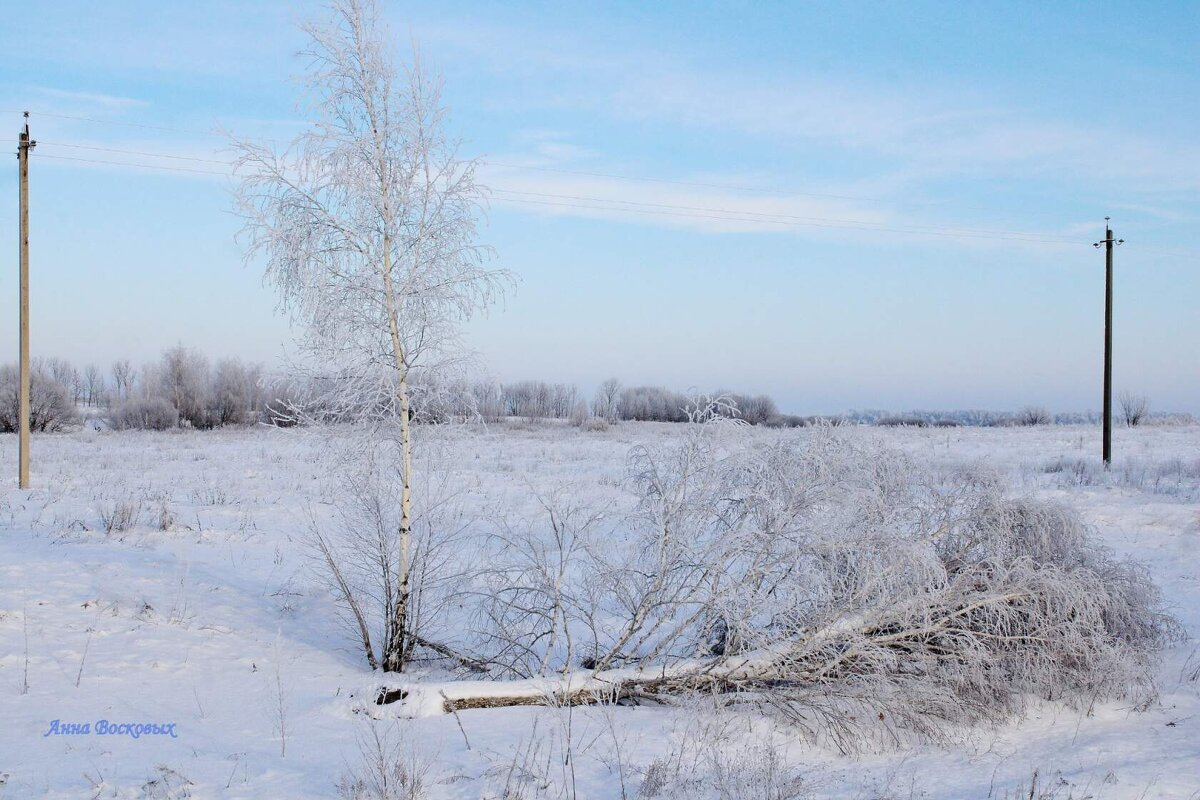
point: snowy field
(161, 579)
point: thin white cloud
(926, 131)
(715, 210)
(76, 99)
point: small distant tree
(367, 226)
(93, 383)
(605, 403)
(1034, 415)
(1134, 407)
(563, 399)
(231, 398)
(60, 371)
(488, 399)
(77, 386)
(579, 414)
(184, 381)
(122, 373)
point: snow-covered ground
(199, 613)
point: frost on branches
(831, 580)
(367, 226)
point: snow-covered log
(423, 699)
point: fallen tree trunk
(966, 652)
(581, 688)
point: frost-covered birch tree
(367, 225)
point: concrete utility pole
(24, 145)
(1109, 242)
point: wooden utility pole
(24, 145)
(1109, 242)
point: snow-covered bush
(834, 581)
(1134, 408)
(153, 414)
(51, 407)
(595, 424)
(184, 380)
(234, 394)
(1034, 415)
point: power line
(132, 164)
(123, 124)
(138, 153)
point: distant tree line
(181, 389)
(1134, 411)
(1027, 416)
(184, 389)
(493, 401)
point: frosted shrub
(832, 580)
(1034, 415)
(1134, 408)
(51, 407)
(184, 380)
(233, 395)
(153, 414)
(595, 424)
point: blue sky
(876, 159)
